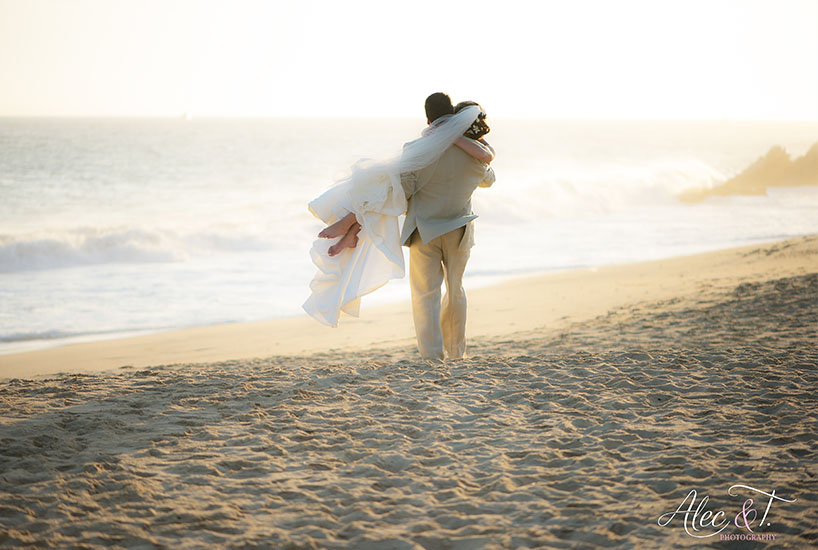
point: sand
(591, 404)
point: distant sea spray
(564, 191)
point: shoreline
(543, 302)
(472, 281)
(16, 347)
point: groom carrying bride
(439, 231)
(431, 181)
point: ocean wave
(93, 246)
(49, 335)
(528, 190)
(594, 190)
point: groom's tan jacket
(440, 196)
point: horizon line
(185, 117)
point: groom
(439, 231)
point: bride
(360, 249)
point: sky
(579, 59)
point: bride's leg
(349, 240)
(339, 228)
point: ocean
(111, 227)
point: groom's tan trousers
(439, 326)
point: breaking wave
(91, 246)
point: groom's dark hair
(437, 105)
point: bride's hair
(480, 127)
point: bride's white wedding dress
(373, 191)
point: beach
(590, 405)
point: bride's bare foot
(339, 228)
(349, 240)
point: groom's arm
(409, 182)
(412, 182)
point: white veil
(436, 138)
(374, 193)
